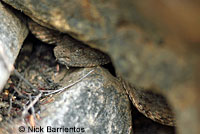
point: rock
(97, 104)
(147, 49)
(138, 49)
(13, 31)
(13, 127)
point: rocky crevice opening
(153, 68)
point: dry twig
(31, 104)
(25, 80)
(10, 105)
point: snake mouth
(63, 60)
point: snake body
(71, 52)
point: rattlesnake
(71, 52)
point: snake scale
(73, 53)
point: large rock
(97, 104)
(152, 44)
(139, 50)
(13, 31)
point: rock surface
(146, 48)
(38, 75)
(97, 104)
(140, 52)
(13, 31)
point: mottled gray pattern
(98, 104)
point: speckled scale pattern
(73, 53)
(69, 51)
(46, 35)
(152, 105)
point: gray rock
(152, 44)
(13, 31)
(97, 104)
(12, 127)
(118, 28)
